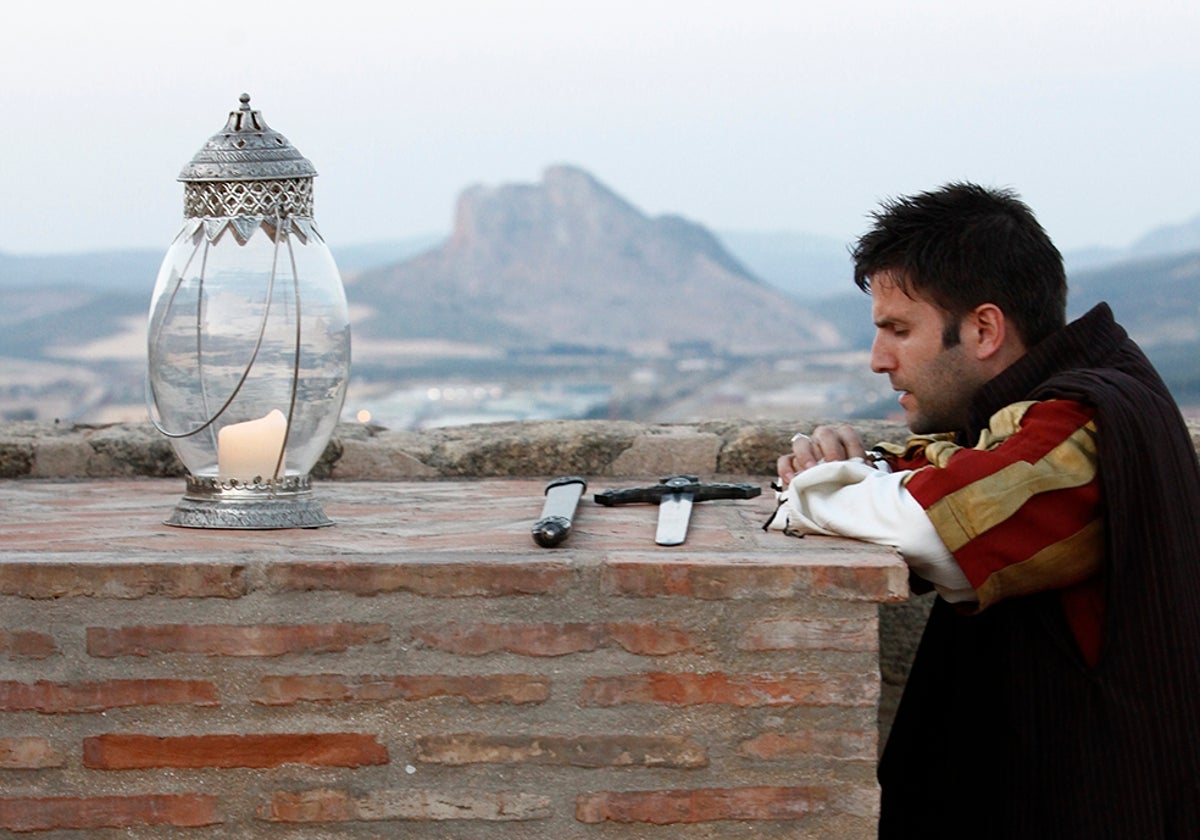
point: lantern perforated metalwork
(249, 335)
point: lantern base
(284, 503)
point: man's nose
(882, 360)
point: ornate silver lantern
(249, 336)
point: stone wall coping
(607, 448)
(610, 448)
(440, 537)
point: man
(1051, 495)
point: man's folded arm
(853, 499)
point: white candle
(251, 449)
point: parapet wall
(422, 668)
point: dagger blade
(674, 513)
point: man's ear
(987, 331)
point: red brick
(648, 638)
(307, 806)
(848, 634)
(30, 753)
(578, 751)
(496, 688)
(781, 746)
(687, 689)
(123, 580)
(64, 813)
(549, 639)
(755, 579)
(861, 583)
(705, 581)
(82, 697)
(332, 749)
(668, 807)
(27, 644)
(227, 640)
(437, 580)
(409, 805)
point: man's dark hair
(963, 245)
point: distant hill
(136, 270)
(1158, 302)
(1164, 241)
(57, 301)
(37, 322)
(354, 259)
(567, 261)
(122, 271)
(806, 266)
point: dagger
(674, 496)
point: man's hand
(826, 443)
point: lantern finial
(246, 149)
(245, 173)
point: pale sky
(748, 115)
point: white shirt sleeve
(853, 499)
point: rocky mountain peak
(569, 260)
(569, 208)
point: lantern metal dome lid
(247, 149)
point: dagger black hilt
(689, 484)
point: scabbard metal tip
(551, 531)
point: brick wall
(389, 677)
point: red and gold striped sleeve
(1020, 512)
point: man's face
(936, 382)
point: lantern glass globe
(238, 330)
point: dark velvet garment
(1003, 730)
